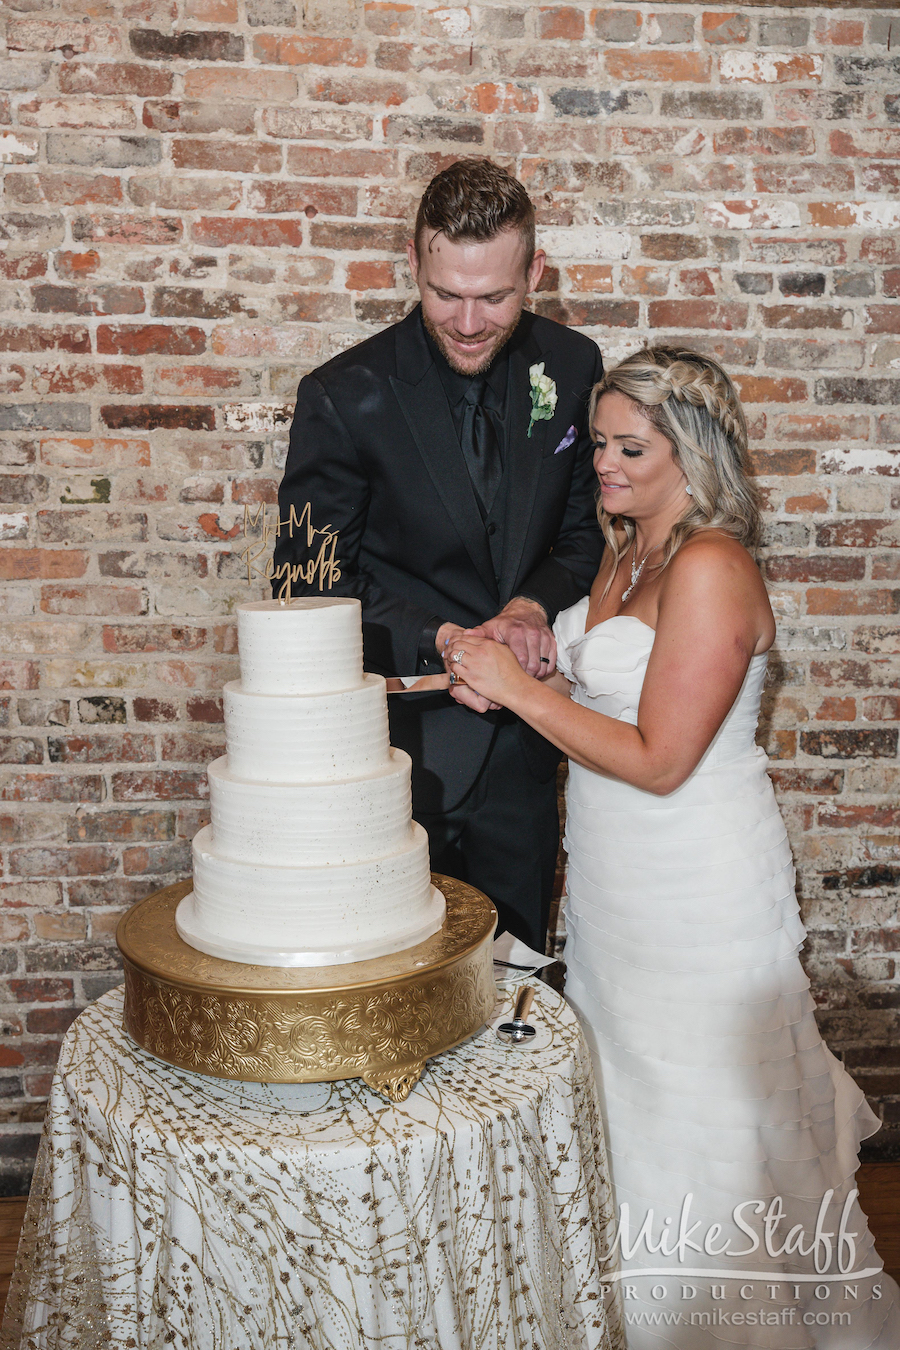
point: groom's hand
(522, 627)
(448, 640)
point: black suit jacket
(374, 450)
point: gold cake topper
(260, 530)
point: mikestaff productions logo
(769, 1298)
(261, 529)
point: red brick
(605, 313)
(881, 708)
(160, 785)
(42, 990)
(46, 35)
(212, 11)
(271, 195)
(725, 27)
(154, 710)
(658, 66)
(46, 1021)
(227, 156)
(805, 316)
(882, 319)
(388, 19)
(859, 533)
(816, 781)
(128, 229)
(560, 21)
(877, 142)
(818, 567)
(22, 338)
(158, 417)
(144, 81)
(67, 189)
(840, 32)
(278, 50)
(191, 746)
(766, 389)
(821, 427)
(91, 453)
(146, 339)
(314, 161)
(368, 276)
(782, 463)
(126, 748)
(260, 87)
(707, 314)
(591, 277)
(98, 299)
(75, 379)
(183, 193)
(880, 248)
(47, 787)
(157, 858)
(205, 709)
(754, 141)
(836, 710)
(26, 564)
(659, 140)
(24, 267)
(75, 860)
(152, 637)
(93, 600)
(109, 826)
(796, 178)
(230, 231)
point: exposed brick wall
(206, 198)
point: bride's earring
(689, 490)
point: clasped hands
(516, 642)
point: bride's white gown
(682, 962)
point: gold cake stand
(378, 1020)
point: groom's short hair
(476, 199)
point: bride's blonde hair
(693, 402)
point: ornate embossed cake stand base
(379, 1020)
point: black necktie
(479, 445)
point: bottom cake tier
(309, 916)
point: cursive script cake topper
(263, 526)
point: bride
(733, 1132)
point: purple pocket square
(566, 441)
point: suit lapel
(524, 456)
(423, 402)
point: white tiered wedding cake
(312, 857)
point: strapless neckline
(632, 618)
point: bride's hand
(488, 667)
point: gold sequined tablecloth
(175, 1210)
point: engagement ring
(457, 656)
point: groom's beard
(484, 361)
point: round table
(170, 1209)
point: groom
(462, 489)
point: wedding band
(457, 656)
(545, 660)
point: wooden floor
(879, 1188)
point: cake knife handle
(523, 1003)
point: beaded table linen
(172, 1209)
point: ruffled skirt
(733, 1132)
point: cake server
(417, 684)
(518, 1031)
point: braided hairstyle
(693, 402)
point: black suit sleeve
(324, 469)
(568, 573)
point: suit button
(492, 529)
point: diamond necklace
(636, 571)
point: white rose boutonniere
(543, 395)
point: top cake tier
(306, 646)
